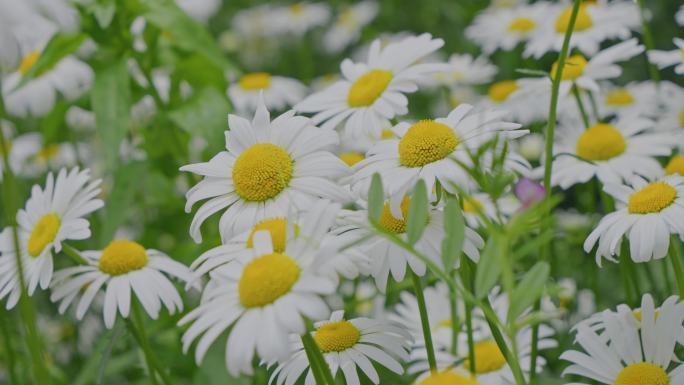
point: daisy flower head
(263, 296)
(648, 212)
(526, 104)
(279, 92)
(637, 98)
(348, 345)
(121, 268)
(665, 59)
(630, 350)
(478, 204)
(463, 69)
(19, 149)
(52, 215)
(200, 10)
(347, 27)
(611, 151)
(373, 92)
(298, 18)
(269, 169)
(448, 376)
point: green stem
(425, 322)
(666, 277)
(9, 349)
(137, 326)
(455, 321)
(594, 107)
(677, 267)
(648, 41)
(322, 363)
(313, 362)
(627, 283)
(631, 272)
(548, 164)
(511, 358)
(74, 254)
(580, 105)
(466, 275)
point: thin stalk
(323, 364)
(627, 283)
(9, 349)
(137, 327)
(511, 358)
(466, 277)
(548, 163)
(455, 321)
(677, 267)
(594, 107)
(425, 322)
(666, 277)
(74, 254)
(580, 105)
(648, 41)
(631, 271)
(313, 362)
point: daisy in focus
(347, 345)
(346, 29)
(52, 215)
(269, 169)
(665, 59)
(279, 92)
(263, 296)
(372, 93)
(648, 212)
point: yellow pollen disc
(500, 91)
(619, 97)
(278, 229)
(337, 336)
(448, 377)
(28, 61)
(675, 165)
(367, 88)
(351, 158)
(255, 81)
(262, 171)
(653, 198)
(573, 69)
(600, 142)
(43, 233)
(681, 116)
(488, 357)
(266, 279)
(582, 23)
(392, 224)
(642, 373)
(297, 8)
(48, 152)
(425, 142)
(122, 256)
(565, 302)
(522, 24)
(472, 205)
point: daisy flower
(373, 92)
(346, 29)
(279, 92)
(19, 149)
(52, 215)
(298, 18)
(478, 204)
(679, 16)
(263, 296)
(524, 107)
(612, 152)
(452, 376)
(629, 351)
(530, 147)
(463, 69)
(268, 168)
(200, 10)
(386, 257)
(664, 59)
(428, 149)
(647, 214)
(637, 98)
(121, 268)
(346, 346)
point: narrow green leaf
(488, 269)
(110, 98)
(529, 289)
(418, 213)
(454, 233)
(120, 202)
(59, 46)
(526, 71)
(376, 199)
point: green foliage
(454, 228)
(376, 199)
(417, 213)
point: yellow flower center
(392, 224)
(619, 97)
(351, 158)
(472, 205)
(601, 142)
(367, 88)
(266, 279)
(522, 25)
(582, 23)
(488, 357)
(297, 9)
(337, 336)
(122, 256)
(43, 233)
(262, 171)
(278, 229)
(448, 377)
(48, 152)
(681, 116)
(653, 198)
(28, 61)
(637, 314)
(642, 373)
(500, 91)
(255, 81)
(447, 323)
(425, 142)
(675, 165)
(389, 134)
(573, 69)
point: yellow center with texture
(255, 81)
(601, 142)
(261, 172)
(425, 142)
(44, 232)
(122, 256)
(488, 357)
(278, 229)
(675, 165)
(573, 68)
(619, 98)
(367, 88)
(337, 336)
(448, 377)
(500, 91)
(390, 223)
(522, 25)
(583, 22)
(642, 373)
(653, 198)
(267, 278)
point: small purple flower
(529, 192)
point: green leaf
(376, 199)
(110, 98)
(120, 202)
(454, 230)
(529, 289)
(59, 46)
(488, 269)
(93, 368)
(204, 115)
(526, 71)
(418, 213)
